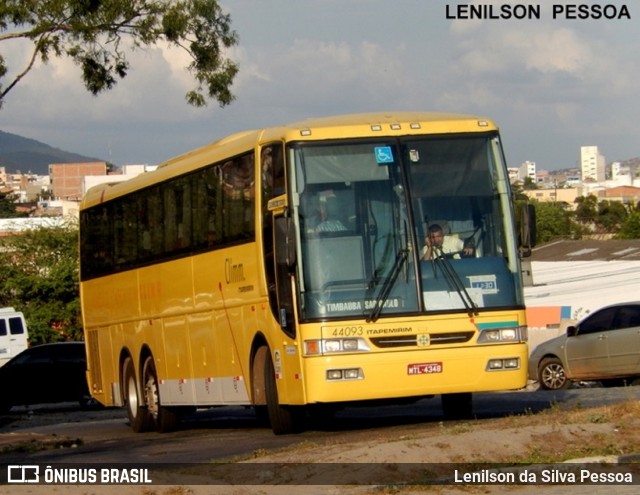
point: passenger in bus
(329, 221)
(438, 244)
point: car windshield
(365, 209)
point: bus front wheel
(164, 419)
(283, 419)
(138, 415)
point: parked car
(43, 374)
(604, 346)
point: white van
(13, 334)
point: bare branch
(15, 35)
(17, 79)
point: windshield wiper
(383, 295)
(454, 281)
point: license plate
(424, 368)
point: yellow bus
(287, 268)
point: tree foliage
(613, 218)
(611, 215)
(96, 35)
(39, 276)
(553, 221)
(586, 208)
(8, 206)
(631, 227)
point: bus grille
(412, 340)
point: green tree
(553, 221)
(586, 209)
(39, 276)
(93, 33)
(611, 215)
(529, 184)
(8, 206)
(631, 227)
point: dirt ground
(608, 433)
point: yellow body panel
(386, 371)
(195, 319)
(386, 375)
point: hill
(22, 154)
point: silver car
(605, 346)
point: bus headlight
(345, 374)
(498, 335)
(332, 346)
(503, 364)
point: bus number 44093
(424, 368)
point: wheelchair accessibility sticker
(384, 154)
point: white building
(592, 164)
(527, 169)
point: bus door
(277, 236)
(285, 257)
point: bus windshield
(403, 226)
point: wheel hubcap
(151, 394)
(132, 396)
(553, 376)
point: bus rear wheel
(138, 415)
(283, 419)
(163, 419)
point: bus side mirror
(528, 231)
(285, 241)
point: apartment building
(67, 179)
(592, 164)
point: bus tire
(136, 411)
(457, 406)
(283, 419)
(258, 395)
(163, 419)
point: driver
(437, 244)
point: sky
(551, 85)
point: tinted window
(599, 321)
(272, 169)
(70, 354)
(628, 316)
(34, 355)
(210, 208)
(15, 326)
(3, 327)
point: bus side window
(183, 213)
(212, 196)
(170, 227)
(238, 177)
(156, 223)
(272, 170)
(199, 210)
